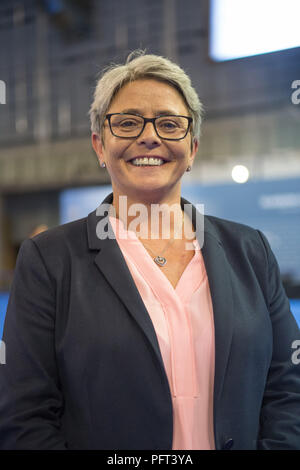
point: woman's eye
(128, 124)
(168, 125)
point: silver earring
(189, 168)
(103, 165)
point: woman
(123, 330)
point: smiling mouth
(145, 161)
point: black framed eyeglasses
(131, 126)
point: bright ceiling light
(240, 173)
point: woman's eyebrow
(131, 111)
(165, 112)
(162, 112)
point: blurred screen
(295, 309)
(242, 28)
(270, 206)
(77, 203)
(3, 305)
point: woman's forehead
(148, 95)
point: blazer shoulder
(222, 227)
(247, 251)
(238, 238)
(63, 236)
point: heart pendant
(160, 260)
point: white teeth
(147, 161)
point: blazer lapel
(218, 273)
(217, 269)
(110, 261)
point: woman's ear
(98, 147)
(194, 149)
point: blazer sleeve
(280, 412)
(31, 400)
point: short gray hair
(140, 66)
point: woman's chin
(151, 193)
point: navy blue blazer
(83, 365)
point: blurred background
(243, 57)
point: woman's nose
(149, 136)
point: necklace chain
(160, 260)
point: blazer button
(228, 444)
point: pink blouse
(183, 322)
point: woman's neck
(162, 219)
